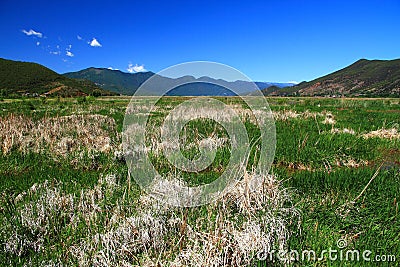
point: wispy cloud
(55, 52)
(37, 43)
(132, 69)
(68, 51)
(79, 38)
(111, 68)
(32, 32)
(94, 43)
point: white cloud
(32, 32)
(37, 43)
(79, 37)
(55, 52)
(68, 51)
(111, 68)
(94, 43)
(136, 68)
(295, 82)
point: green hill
(25, 78)
(369, 78)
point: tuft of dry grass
(284, 115)
(343, 131)
(259, 202)
(329, 119)
(46, 212)
(350, 162)
(61, 135)
(383, 133)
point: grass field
(66, 198)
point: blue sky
(278, 40)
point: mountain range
(127, 83)
(369, 78)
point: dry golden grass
(156, 234)
(60, 135)
(383, 133)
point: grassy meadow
(66, 198)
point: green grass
(327, 171)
